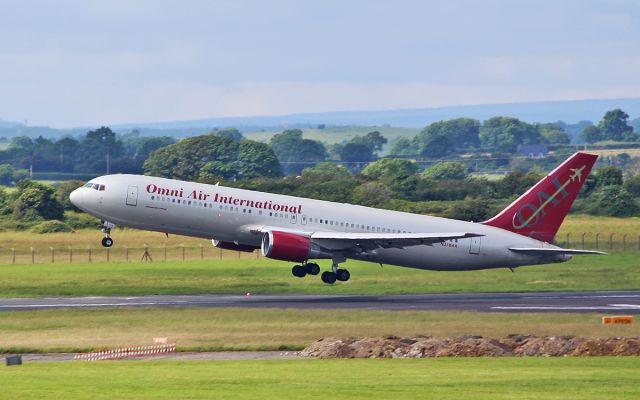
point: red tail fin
(540, 211)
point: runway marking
(607, 307)
(632, 306)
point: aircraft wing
(369, 241)
(548, 252)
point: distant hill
(543, 111)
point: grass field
(459, 379)
(269, 329)
(232, 276)
(242, 272)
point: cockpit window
(95, 186)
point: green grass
(615, 271)
(193, 328)
(459, 379)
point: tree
(553, 133)
(608, 176)
(294, 152)
(217, 170)
(436, 146)
(450, 170)
(356, 152)
(95, 147)
(373, 140)
(393, 168)
(325, 170)
(632, 185)
(230, 133)
(444, 137)
(612, 201)
(591, 134)
(473, 210)
(185, 159)
(35, 200)
(614, 126)
(9, 175)
(213, 157)
(257, 160)
(506, 133)
(402, 147)
(63, 190)
(371, 194)
(516, 183)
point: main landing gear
(106, 229)
(330, 277)
(301, 271)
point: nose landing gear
(106, 229)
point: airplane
(301, 230)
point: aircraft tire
(299, 271)
(313, 268)
(328, 277)
(343, 275)
(107, 242)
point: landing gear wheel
(328, 277)
(312, 268)
(299, 271)
(342, 275)
(107, 242)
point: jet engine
(290, 247)
(233, 246)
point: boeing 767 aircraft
(301, 230)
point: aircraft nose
(76, 198)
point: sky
(88, 63)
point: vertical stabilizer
(540, 211)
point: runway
(618, 302)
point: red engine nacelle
(233, 246)
(290, 247)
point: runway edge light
(617, 319)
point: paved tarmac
(612, 302)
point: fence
(605, 241)
(33, 255)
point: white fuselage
(234, 215)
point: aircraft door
(132, 196)
(475, 245)
(303, 220)
(294, 218)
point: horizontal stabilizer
(547, 251)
